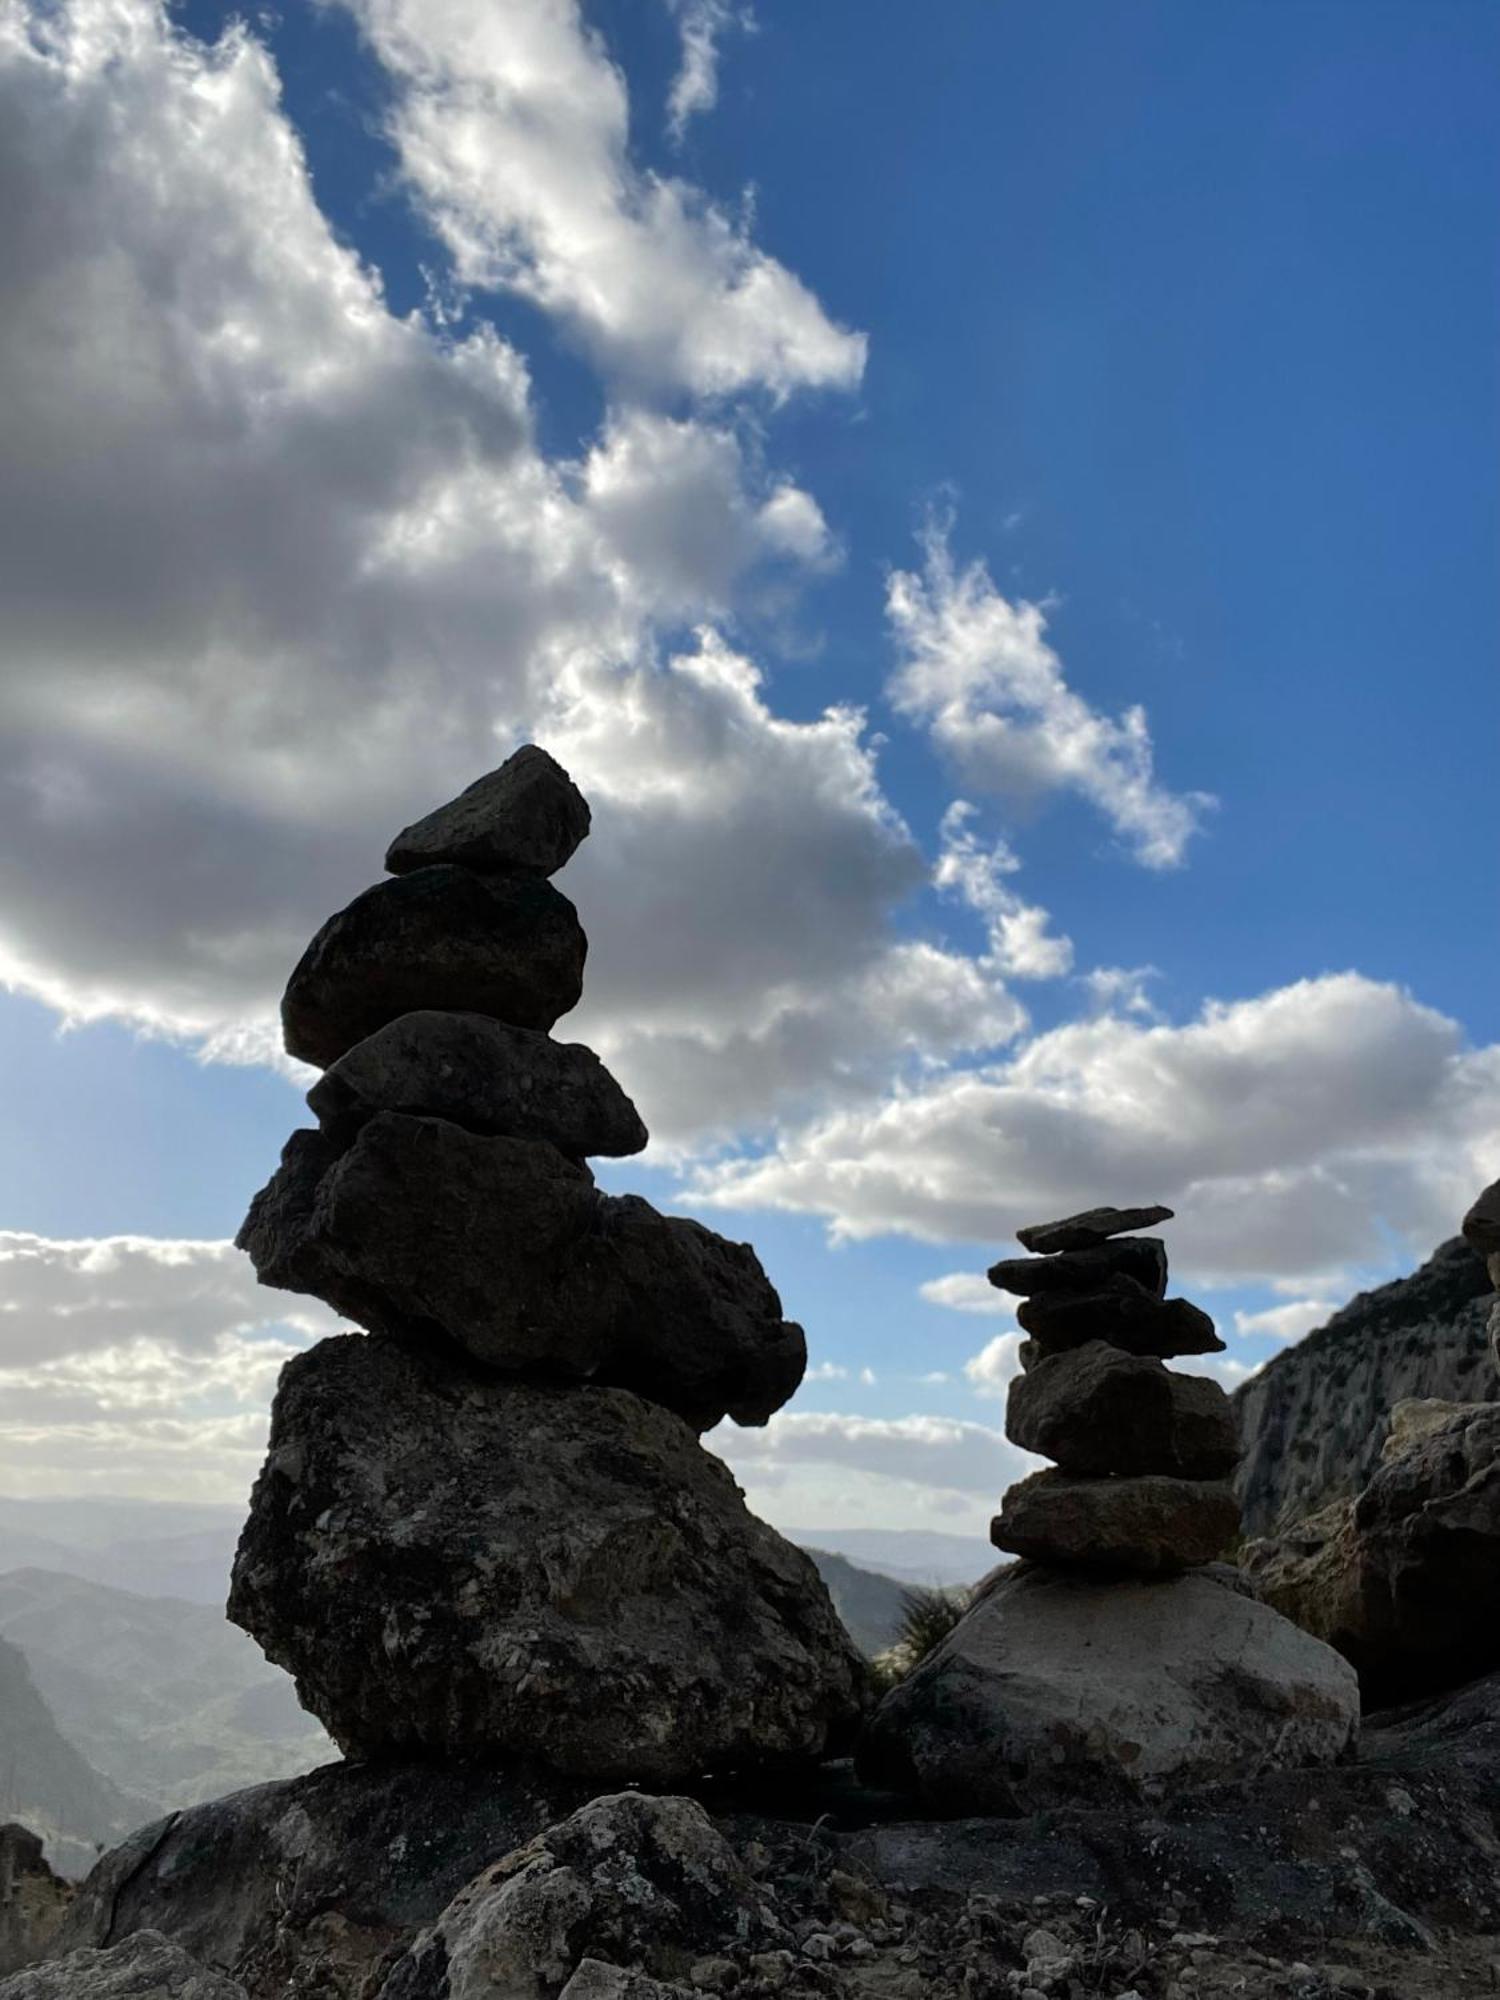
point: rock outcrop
(1058, 1687)
(1103, 1666)
(33, 1901)
(145, 1967)
(562, 1577)
(1313, 1421)
(486, 1525)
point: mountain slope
(1312, 1421)
(869, 1604)
(166, 1698)
(47, 1785)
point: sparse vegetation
(928, 1615)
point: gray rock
(596, 1980)
(649, 1881)
(1140, 1527)
(1126, 1315)
(1069, 1272)
(1314, 1420)
(1057, 1687)
(1091, 1227)
(1481, 1226)
(490, 1078)
(1097, 1410)
(505, 1248)
(509, 947)
(33, 1901)
(453, 1565)
(525, 818)
(145, 1967)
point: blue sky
(977, 377)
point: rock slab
(1068, 1272)
(492, 1079)
(1096, 1410)
(526, 818)
(504, 1248)
(510, 947)
(1056, 1688)
(449, 1565)
(1140, 1527)
(1092, 1226)
(1123, 1313)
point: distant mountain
(1312, 1421)
(164, 1697)
(911, 1555)
(47, 1785)
(868, 1603)
(158, 1548)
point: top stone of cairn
(526, 818)
(1088, 1230)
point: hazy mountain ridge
(1312, 1421)
(47, 1784)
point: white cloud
(281, 570)
(511, 124)
(997, 1364)
(1298, 1132)
(977, 670)
(695, 88)
(1285, 1323)
(968, 1292)
(1021, 943)
(943, 1452)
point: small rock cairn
(1142, 1454)
(487, 1524)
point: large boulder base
(1125, 1314)
(145, 1967)
(1091, 1226)
(566, 1576)
(1095, 1410)
(1143, 1258)
(1058, 1687)
(1404, 1580)
(509, 947)
(526, 818)
(498, 1081)
(1147, 1526)
(504, 1248)
(628, 1880)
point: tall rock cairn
(486, 1524)
(1143, 1455)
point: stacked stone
(489, 1524)
(1142, 1454)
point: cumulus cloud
(1295, 1133)
(511, 124)
(1021, 942)
(997, 1364)
(965, 1291)
(943, 1452)
(978, 672)
(1285, 1323)
(282, 569)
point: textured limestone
(493, 1079)
(526, 818)
(1139, 1526)
(145, 1967)
(505, 1248)
(1056, 1688)
(1092, 1226)
(1096, 1410)
(561, 1575)
(508, 947)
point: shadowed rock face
(525, 818)
(510, 947)
(145, 1967)
(1056, 1687)
(1096, 1411)
(1068, 1272)
(490, 1078)
(1144, 1526)
(1312, 1421)
(504, 1248)
(452, 1565)
(1405, 1579)
(1091, 1227)
(1123, 1313)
